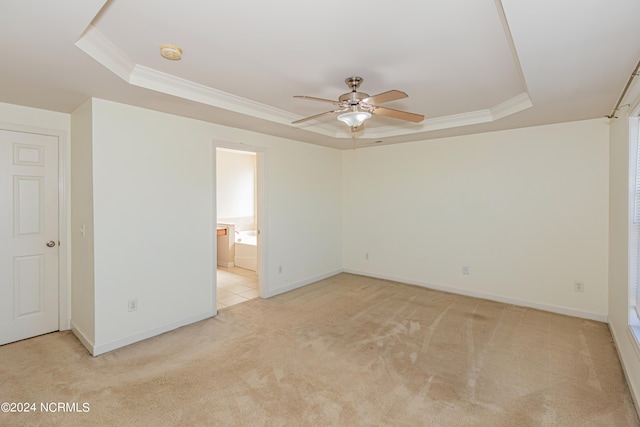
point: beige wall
(525, 209)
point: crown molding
(166, 83)
(100, 48)
(511, 106)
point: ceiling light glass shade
(354, 118)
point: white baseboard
(82, 337)
(226, 264)
(507, 300)
(249, 263)
(631, 383)
(124, 341)
(299, 284)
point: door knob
(51, 243)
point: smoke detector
(171, 52)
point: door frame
(261, 201)
(64, 248)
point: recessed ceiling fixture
(171, 52)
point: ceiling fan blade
(397, 114)
(380, 98)
(313, 98)
(315, 117)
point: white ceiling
(468, 65)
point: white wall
(304, 213)
(153, 210)
(525, 209)
(235, 184)
(83, 301)
(154, 213)
(619, 291)
(44, 119)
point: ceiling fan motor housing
(353, 98)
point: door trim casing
(64, 248)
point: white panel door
(28, 235)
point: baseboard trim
(273, 292)
(498, 298)
(635, 393)
(82, 337)
(110, 346)
(227, 264)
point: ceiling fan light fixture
(354, 118)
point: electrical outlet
(579, 287)
(280, 269)
(465, 270)
(366, 256)
(133, 304)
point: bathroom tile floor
(236, 285)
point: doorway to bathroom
(238, 220)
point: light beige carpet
(346, 351)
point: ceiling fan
(355, 107)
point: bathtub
(247, 249)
